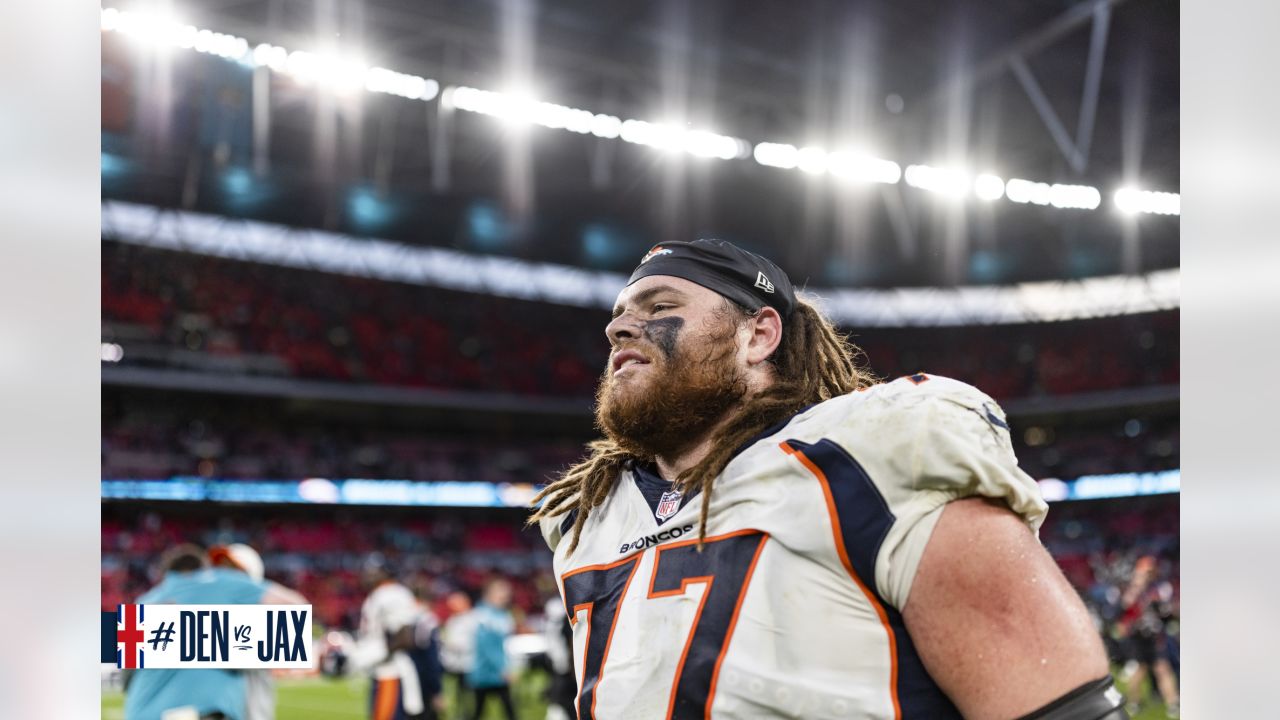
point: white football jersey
(792, 609)
(389, 607)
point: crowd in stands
(238, 440)
(142, 446)
(1094, 541)
(1136, 444)
(343, 328)
(316, 325)
(1123, 559)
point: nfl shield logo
(668, 504)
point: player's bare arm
(995, 622)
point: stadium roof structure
(1079, 99)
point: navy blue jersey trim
(865, 520)
(569, 519)
(652, 486)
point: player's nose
(623, 327)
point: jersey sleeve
(894, 456)
(960, 447)
(554, 528)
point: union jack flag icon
(129, 636)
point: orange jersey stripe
(848, 566)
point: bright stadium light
(516, 106)
(1127, 201)
(606, 126)
(779, 155)
(988, 187)
(112, 353)
(861, 167)
(1081, 197)
(466, 98)
(671, 137)
(271, 56)
(812, 160)
(702, 143)
(341, 74)
(944, 181)
(163, 32)
(1026, 191)
(654, 135)
(510, 107)
(302, 66)
(1132, 201)
(559, 117)
(322, 69)
(184, 37)
(390, 82)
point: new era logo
(764, 283)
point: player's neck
(672, 464)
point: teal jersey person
(490, 676)
(212, 693)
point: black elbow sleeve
(1095, 700)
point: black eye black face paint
(664, 332)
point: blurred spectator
(562, 692)
(1147, 607)
(490, 675)
(1122, 556)
(247, 441)
(244, 440)
(180, 309)
(458, 649)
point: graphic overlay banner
(209, 636)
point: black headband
(744, 277)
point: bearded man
(766, 532)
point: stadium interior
(358, 256)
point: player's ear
(766, 334)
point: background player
(458, 649)
(260, 687)
(490, 675)
(395, 648)
(1146, 608)
(211, 693)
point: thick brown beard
(682, 399)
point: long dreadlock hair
(813, 363)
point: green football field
(321, 699)
(348, 699)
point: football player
(260, 686)
(206, 693)
(397, 646)
(765, 532)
